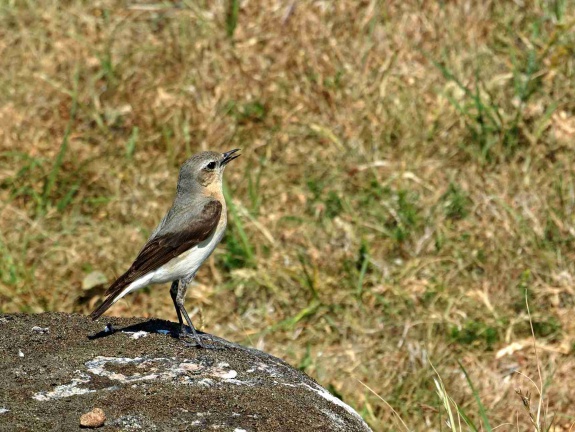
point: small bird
(184, 238)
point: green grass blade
(57, 165)
(289, 323)
(362, 271)
(131, 144)
(466, 419)
(482, 410)
(67, 199)
(232, 17)
(238, 225)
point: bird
(184, 238)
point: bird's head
(204, 171)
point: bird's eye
(211, 166)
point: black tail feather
(115, 289)
(102, 308)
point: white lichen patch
(337, 422)
(141, 333)
(133, 371)
(66, 390)
(190, 367)
(206, 382)
(97, 366)
(137, 335)
(239, 382)
(262, 367)
(328, 396)
(155, 368)
(221, 373)
(41, 330)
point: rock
(93, 419)
(152, 383)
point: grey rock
(146, 379)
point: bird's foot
(182, 332)
(197, 340)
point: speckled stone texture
(55, 367)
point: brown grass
(407, 173)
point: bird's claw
(198, 341)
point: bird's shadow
(168, 328)
(150, 326)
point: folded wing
(162, 248)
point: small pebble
(93, 419)
(20, 353)
(41, 329)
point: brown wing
(163, 248)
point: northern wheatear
(184, 238)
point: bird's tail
(113, 292)
(103, 307)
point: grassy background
(407, 174)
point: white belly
(182, 266)
(187, 263)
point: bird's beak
(228, 156)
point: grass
(406, 175)
(539, 417)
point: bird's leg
(180, 296)
(174, 294)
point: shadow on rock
(149, 326)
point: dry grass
(407, 173)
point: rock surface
(145, 379)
